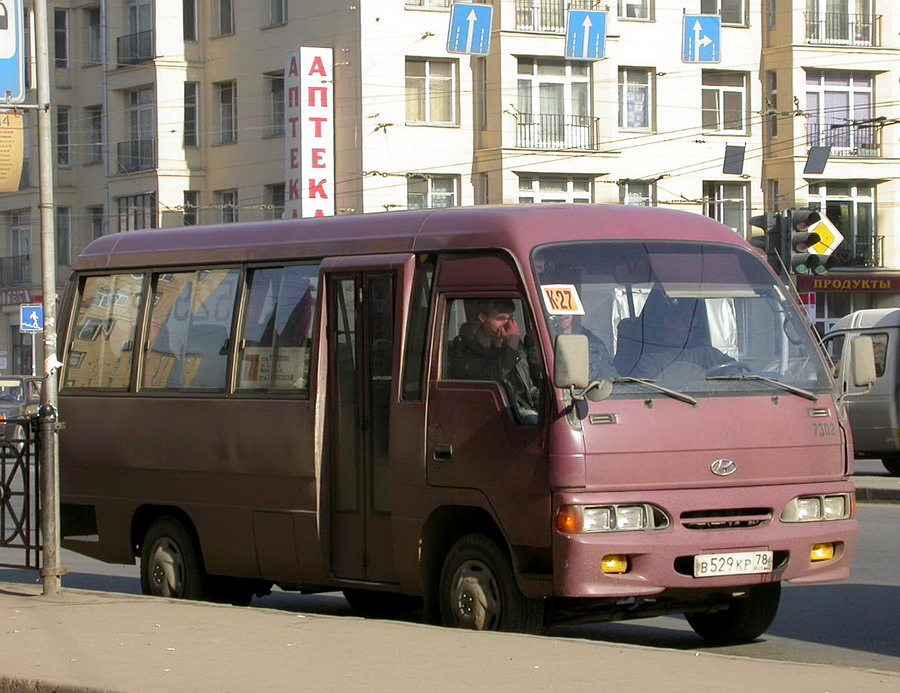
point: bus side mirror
(862, 362)
(571, 361)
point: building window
(634, 9)
(277, 12)
(541, 15)
(63, 144)
(431, 91)
(94, 117)
(637, 193)
(839, 112)
(189, 20)
(274, 201)
(227, 201)
(724, 101)
(20, 249)
(635, 98)
(224, 17)
(191, 114)
(731, 11)
(850, 205)
(846, 22)
(63, 236)
(554, 188)
(727, 203)
(425, 192)
(772, 103)
(93, 39)
(431, 4)
(138, 153)
(275, 88)
(554, 105)
(95, 219)
(61, 39)
(226, 101)
(136, 212)
(190, 213)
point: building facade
(172, 114)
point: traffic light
(771, 241)
(800, 240)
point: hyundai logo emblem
(723, 467)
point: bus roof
(515, 227)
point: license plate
(743, 563)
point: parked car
(874, 412)
(20, 396)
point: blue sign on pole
(702, 39)
(470, 28)
(31, 317)
(12, 59)
(585, 35)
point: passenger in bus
(492, 347)
(600, 362)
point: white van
(874, 412)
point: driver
(671, 336)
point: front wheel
(745, 619)
(892, 464)
(478, 590)
(171, 563)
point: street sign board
(702, 38)
(470, 28)
(31, 317)
(829, 236)
(12, 58)
(585, 35)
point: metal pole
(51, 571)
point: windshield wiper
(652, 385)
(790, 388)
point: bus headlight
(836, 506)
(587, 519)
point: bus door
(363, 298)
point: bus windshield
(699, 319)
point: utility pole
(51, 571)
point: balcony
(136, 155)
(134, 49)
(837, 28)
(846, 139)
(540, 131)
(861, 250)
(541, 15)
(15, 271)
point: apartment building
(172, 113)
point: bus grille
(726, 519)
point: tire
(745, 619)
(892, 464)
(171, 562)
(381, 604)
(478, 590)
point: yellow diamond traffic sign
(829, 236)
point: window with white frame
(728, 204)
(431, 91)
(63, 236)
(63, 142)
(60, 38)
(635, 98)
(19, 248)
(635, 9)
(637, 193)
(135, 212)
(191, 114)
(839, 112)
(227, 201)
(848, 22)
(541, 15)
(724, 101)
(850, 205)
(224, 17)
(94, 118)
(428, 191)
(538, 189)
(277, 12)
(275, 90)
(226, 102)
(731, 11)
(554, 104)
(274, 201)
(93, 53)
(430, 4)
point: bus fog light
(631, 517)
(821, 552)
(614, 564)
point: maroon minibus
(514, 415)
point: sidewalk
(91, 641)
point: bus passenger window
(100, 355)
(278, 320)
(190, 327)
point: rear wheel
(171, 563)
(478, 590)
(892, 464)
(745, 619)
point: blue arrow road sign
(12, 59)
(585, 35)
(31, 317)
(470, 29)
(702, 39)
